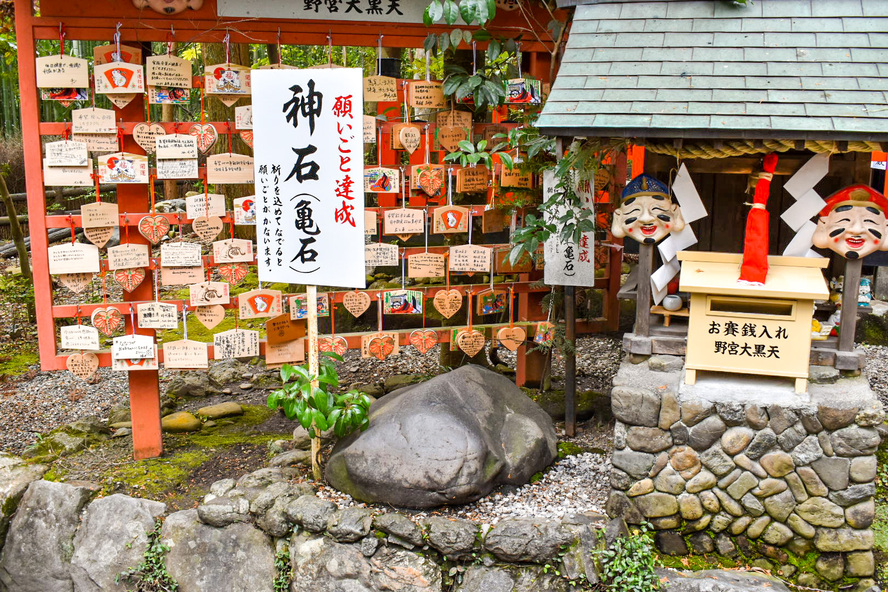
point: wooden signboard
(228, 168)
(185, 354)
(236, 343)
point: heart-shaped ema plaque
(210, 316)
(423, 339)
(430, 178)
(246, 136)
(449, 137)
(146, 135)
(120, 100)
(356, 303)
(337, 345)
(470, 342)
(410, 137)
(448, 302)
(381, 347)
(83, 366)
(207, 229)
(154, 228)
(206, 135)
(233, 273)
(99, 236)
(107, 320)
(511, 337)
(130, 278)
(76, 282)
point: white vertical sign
(567, 263)
(309, 164)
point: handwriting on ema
(236, 343)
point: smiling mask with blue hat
(646, 212)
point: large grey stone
(670, 412)
(706, 433)
(226, 372)
(777, 534)
(645, 439)
(99, 555)
(745, 482)
(721, 580)
(732, 413)
(400, 526)
(526, 540)
(192, 384)
(694, 411)
(224, 510)
(756, 417)
(635, 406)
(350, 524)
(792, 437)
(780, 505)
(861, 515)
(204, 558)
(855, 441)
(863, 469)
(311, 512)
(834, 418)
(323, 565)
(453, 537)
(777, 463)
(717, 461)
(669, 481)
(15, 476)
(510, 579)
(636, 464)
(800, 527)
(656, 505)
(812, 482)
(671, 543)
(664, 363)
(843, 539)
(746, 463)
(807, 451)
(762, 442)
(40, 540)
(854, 494)
(704, 480)
(618, 505)
(819, 511)
(781, 418)
(736, 439)
(449, 440)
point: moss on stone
(872, 329)
(566, 449)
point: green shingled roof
(787, 69)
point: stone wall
(746, 468)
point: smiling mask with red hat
(853, 223)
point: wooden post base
(690, 377)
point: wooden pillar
(570, 362)
(643, 291)
(850, 289)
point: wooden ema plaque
(381, 255)
(236, 343)
(450, 219)
(66, 153)
(449, 137)
(461, 119)
(146, 135)
(180, 254)
(176, 146)
(228, 168)
(243, 117)
(403, 223)
(502, 265)
(207, 293)
(99, 214)
(470, 259)
(424, 94)
(119, 78)
(256, 304)
(282, 329)
(472, 179)
(379, 345)
(94, 121)
(415, 134)
(490, 132)
(369, 129)
(287, 352)
(428, 177)
(79, 337)
(125, 365)
(493, 220)
(227, 79)
(185, 168)
(73, 258)
(68, 176)
(99, 236)
(97, 143)
(127, 255)
(380, 89)
(181, 276)
(105, 54)
(123, 167)
(381, 180)
(185, 354)
(425, 265)
(168, 70)
(206, 229)
(203, 204)
(157, 315)
(62, 71)
(233, 250)
(515, 178)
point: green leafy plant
(151, 575)
(306, 397)
(284, 571)
(628, 565)
(470, 154)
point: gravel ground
(877, 370)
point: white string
(428, 77)
(403, 256)
(379, 56)
(118, 57)
(519, 59)
(425, 226)
(450, 186)
(474, 58)
(471, 211)
(185, 321)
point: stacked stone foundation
(754, 474)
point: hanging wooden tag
(299, 306)
(176, 146)
(472, 179)
(450, 219)
(124, 365)
(185, 354)
(93, 121)
(129, 279)
(157, 315)
(381, 180)
(76, 282)
(98, 214)
(107, 320)
(127, 255)
(206, 135)
(203, 204)
(493, 220)
(491, 302)
(120, 78)
(511, 337)
(425, 265)
(380, 89)
(470, 259)
(423, 339)
(523, 91)
(207, 229)
(243, 117)
(404, 223)
(490, 132)
(79, 337)
(97, 143)
(449, 137)
(62, 71)
(227, 79)
(181, 276)
(515, 178)
(356, 303)
(402, 302)
(206, 293)
(180, 254)
(410, 138)
(471, 342)
(369, 129)
(544, 333)
(233, 273)
(289, 352)
(74, 258)
(233, 250)
(397, 130)
(210, 316)
(245, 211)
(229, 168)
(259, 304)
(247, 137)
(146, 135)
(337, 345)
(425, 94)
(381, 255)
(99, 236)
(502, 264)
(154, 228)
(429, 178)
(105, 54)
(461, 119)
(83, 366)
(66, 153)
(379, 345)
(236, 343)
(282, 328)
(123, 167)
(65, 176)
(448, 302)
(168, 70)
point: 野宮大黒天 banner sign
(309, 164)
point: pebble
(245, 386)
(877, 370)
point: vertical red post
(144, 385)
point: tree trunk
(15, 230)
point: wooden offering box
(736, 327)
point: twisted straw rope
(741, 147)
